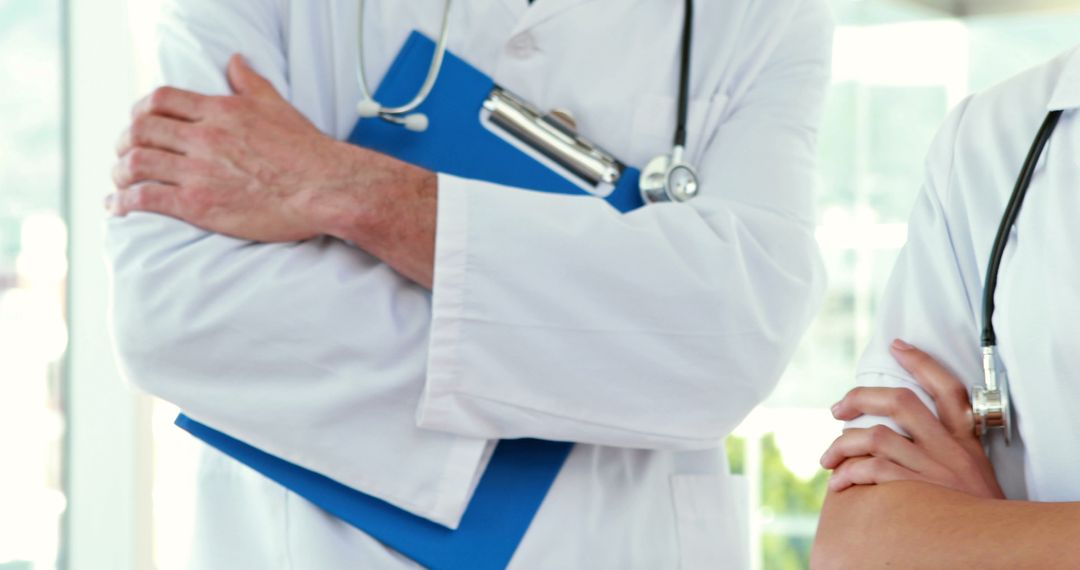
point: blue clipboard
(521, 471)
(456, 142)
(506, 499)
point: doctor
(385, 325)
(943, 506)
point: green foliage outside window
(784, 492)
(785, 496)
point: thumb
(246, 81)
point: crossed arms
(276, 329)
(921, 493)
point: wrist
(336, 200)
(360, 203)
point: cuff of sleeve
(447, 308)
(464, 467)
(447, 303)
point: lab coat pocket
(712, 521)
(654, 126)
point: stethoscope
(990, 404)
(666, 178)
(403, 115)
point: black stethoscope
(990, 402)
(669, 177)
(666, 178)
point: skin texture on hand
(942, 450)
(252, 167)
(931, 501)
(393, 217)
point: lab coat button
(522, 46)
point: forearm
(538, 297)
(918, 525)
(388, 209)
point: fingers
(870, 471)
(246, 81)
(900, 404)
(878, 441)
(146, 197)
(154, 131)
(149, 165)
(950, 395)
(171, 102)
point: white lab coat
(934, 298)
(644, 337)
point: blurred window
(33, 271)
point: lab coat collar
(1067, 92)
(540, 11)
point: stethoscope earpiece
(416, 122)
(368, 108)
(403, 115)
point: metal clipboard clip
(551, 139)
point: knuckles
(228, 105)
(159, 99)
(136, 163)
(197, 200)
(872, 468)
(959, 393)
(856, 394)
(904, 399)
(211, 137)
(131, 199)
(858, 471)
(834, 453)
(918, 362)
(969, 467)
(897, 399)
(878, 438)
(138, 132)
(118, 175)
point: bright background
(95, 477)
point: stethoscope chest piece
(990, 403)
(667, 178)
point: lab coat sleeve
(934, 292)
(312, 351)
(557, 317)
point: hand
(248, 165)
(942, 451)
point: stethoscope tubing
(429, 80)
(1008, 221)
(684, 75)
